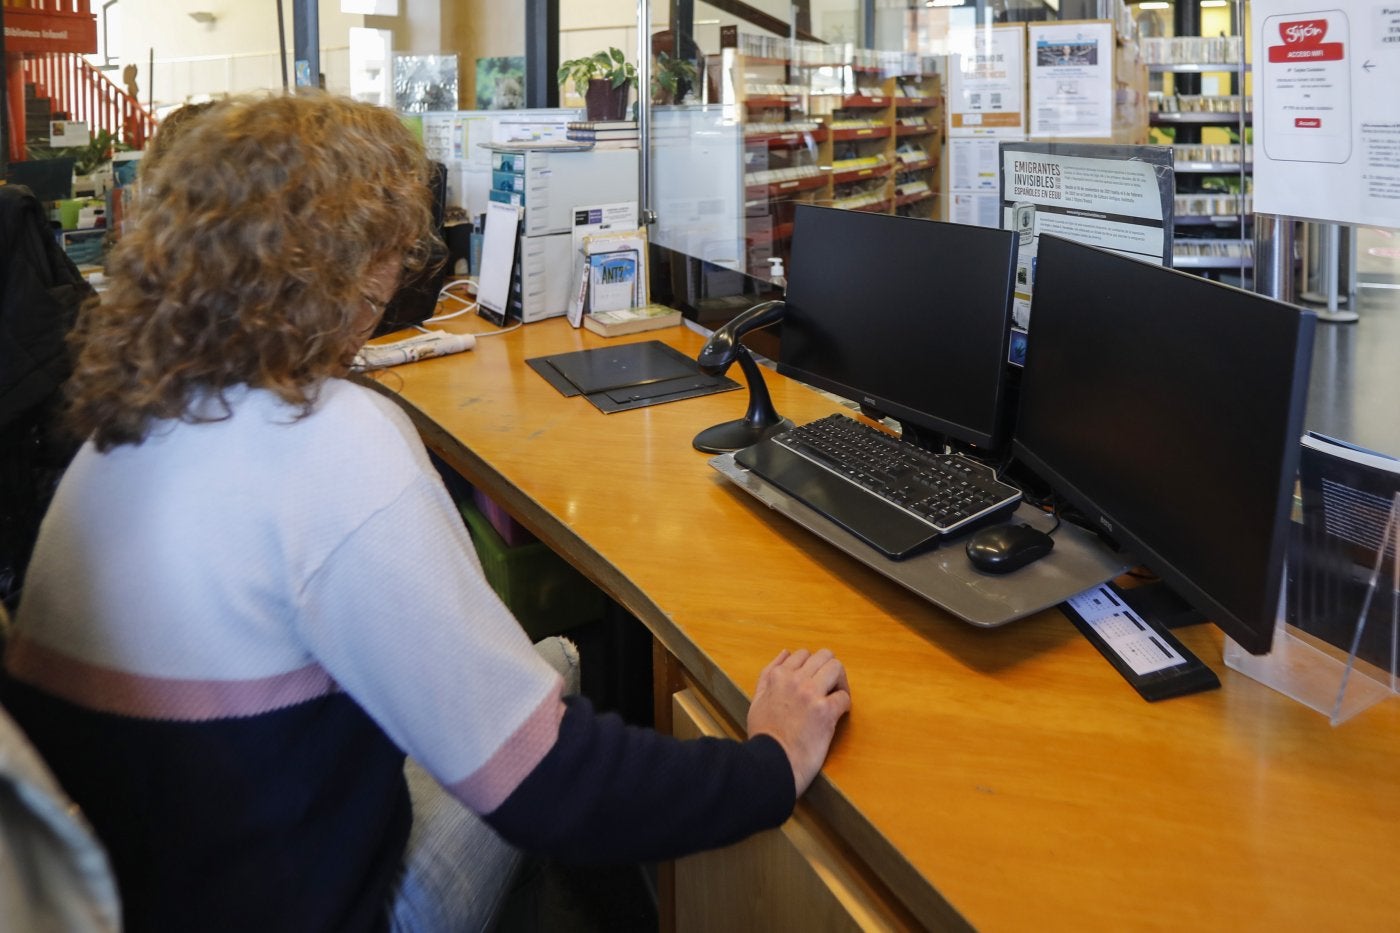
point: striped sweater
(232, 633)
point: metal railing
(84, 93)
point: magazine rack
(1337, 669)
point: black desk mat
(630, 375)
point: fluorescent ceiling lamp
(1153, 5)
(1214, 3)
(370, 7)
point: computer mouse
(1004, 548)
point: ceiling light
(1153, 5)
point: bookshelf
(1214, 209)
(855, 129)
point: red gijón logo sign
(1302, 42)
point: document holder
(1335, 642)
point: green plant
(673, 76)
(86, 159)
(610, 66)
(90, 157)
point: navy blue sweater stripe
(294, 820)
(609, 792)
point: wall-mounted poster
(425, 83)
(1071, 79)
(1110, 196)
(500, 83)
(986, 84)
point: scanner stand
(759, 422)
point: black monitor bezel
(991, 439)
(1254, 636)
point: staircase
(38, 111)
(48, 78)
(63, 86)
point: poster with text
(1327, 111)
(986, 86)
(1111, 196)
(1071, 79)
(974, 181)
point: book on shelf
(602, 134)
(610, 273)
(631, 320)
(589, 221)
(602, 125)
(609, 143)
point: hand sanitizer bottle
(777, 276)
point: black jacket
(40, 292)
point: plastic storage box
(546, 594)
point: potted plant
(672, 80)
(605, 80)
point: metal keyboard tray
(943, 575)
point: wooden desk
(1005, 779)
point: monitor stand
(1160, 603)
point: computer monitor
(908, 317)
(417, 295)
(48, 179)
(1168, 409)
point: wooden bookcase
(852, 129)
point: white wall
(237, 52)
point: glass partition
(781, 122)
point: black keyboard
(895, 496)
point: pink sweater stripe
(183, 699)
(487, 788)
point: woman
(252, 595)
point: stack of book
(605, 134)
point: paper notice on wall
(1110, 196)
(1110, 202)
(1071, 79)
(972, 208)
(1326, 111)
(974, 181)
(986, 82)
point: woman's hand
(799, 699)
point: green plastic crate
(546, 594)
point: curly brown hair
(171, 126)
(247, 260)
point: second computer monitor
(1167, 409)
(909, 317)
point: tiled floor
(1354, 393)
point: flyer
(1326, 110)
(986, 95)
(1071, 79)
(1111, 196)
